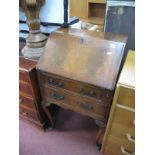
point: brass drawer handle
(54, 83)
(56, 96)
(86, 106)
(20, 100)
(126, 152)
(90, 93)
(130, 138)
(25, 113)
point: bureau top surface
(26, 64)
(84, 56)
(127, 76)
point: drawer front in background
(124, 117)
(83, 89)
(122, 132)
(24, 76)
(25, 88)
(27, 102)
(126, 97)
(116, 146)
(28, 113)
(76, 103)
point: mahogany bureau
(78, 70)
(119, 136)
(29, 94)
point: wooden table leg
(100, 134)
(50, 113)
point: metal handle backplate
(86, 106)
(56, 96)
(90, 93)
(55, 83)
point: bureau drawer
(124, 117)
(24, 76)
(126, 96)
(75, 102)
(123, 132)
(28, 113)
(116, 146)
(26, 101)
(78, 87)
(25, 88)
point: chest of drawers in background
(29, 94)
(119, 137)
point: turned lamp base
(32, 53)
(35, 44)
